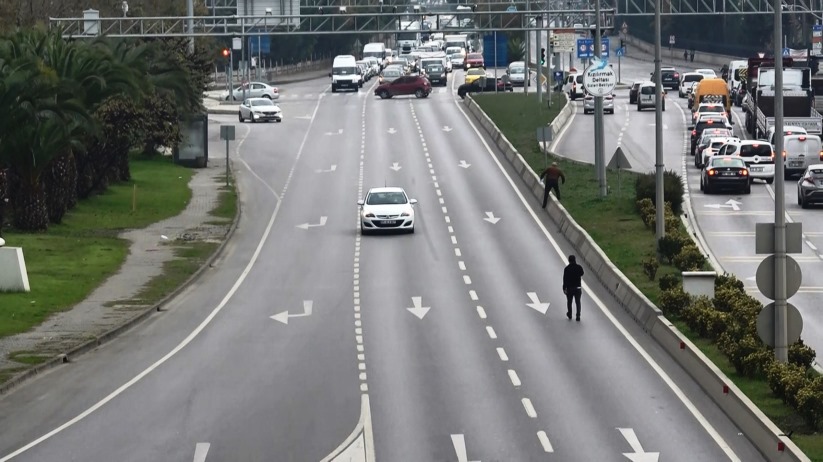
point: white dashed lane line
(481, 312)
(358, 326)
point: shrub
(689, 259)
(672, 224)
(725, 299)
(730, 280)
(748, 355)
(650, 266)
(786, 380)
(644, 188)
(643, 205)
(670, 245)
(810, 401)
(702, 318)
(674, 301)
(801, 354)
(668, 282)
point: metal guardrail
(271, 73)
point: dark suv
(670, 78)
(416, 85)
(703, 124)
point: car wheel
(384, 95)
(799, 199)
(411, 231)
(770, 180)
(681, 95)
(240, 116)
(278, 120)
(803, 203)
(664, 107)
(639, 107)
(701, 184)
(363, 231)
(747, 189)
(419, 93)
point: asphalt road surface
(456, 334)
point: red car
(473, 60)
(416, 85)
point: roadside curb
(109, 335)
(761, 431)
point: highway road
(450, 344)
(726, 221)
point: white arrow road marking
(536, 304)
(464, 164)
(491, 218)
(201, 451)
(446, 128)
(639, 455)
(309, 225)
(730, 204)
(418, 309)
(284, 316)
(331, 169)
(339, 132)
(395, 166)
(459, 443)
(392, 131)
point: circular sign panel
(599, 79)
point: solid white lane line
(201, 450)
(490, 331)
(527, 405)
(502, 353)
(544, 441)
(707, 426)
(514, 378)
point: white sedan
(260, 110)
(256, 90)
(385, 209)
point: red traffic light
(226, 52)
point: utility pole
(190, 23)
(599, 156)
(660, 222)
(538, 21)
(528, 55)
(781, 347)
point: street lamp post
(125, 7)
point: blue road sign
(558, 76)
(786, 52)
(585, 48)
(620, 51)
(511, 9)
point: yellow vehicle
(474, 74)
(711, 90)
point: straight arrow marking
(639, 455)
(418, 309)
(734, 204)
(446, 128)
(536, 304)
(395, 166)
(284, 316)
(464, 164)
(491, 218)
(392, 131)
(459, 443)
(201, 450)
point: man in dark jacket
(572, 285)
(552, 176)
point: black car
(485, 85)
(706, 122)
(670, 78)
(436, 74)
(725, 172)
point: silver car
(810, 186)
(608, 104)
(386, 209)
(457, 60)
(256, 90)
(517, 73)
(260, 110)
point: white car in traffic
(386, 209)
(260, 110)
(255, 90)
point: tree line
(72, 112)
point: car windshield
(717, 144)
(727, 162)
(476, 71)
(518, 70)
(816, 172)
(434, 68)
(751, 150)
(711, 108)
(693, 78)
(647, 90)
(261, 102)
(475, 56)
(384, 198)
(391, 73)
(344, 70)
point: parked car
(260, 110)
(255, 90)
(417, 85)
(810, 186)
(725, 172)
(608, 104)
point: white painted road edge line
(197, 330)
(707, 426)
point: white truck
(345, 74)
(797, 103)
(408, 36)
(375, 50)
(459, 40)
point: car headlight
(368, 215)
(405, 214)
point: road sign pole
(619, 75)
(599, 156)
(660, 222)
(528, 55)
(550, 54)
(781, 347)
(537, 42)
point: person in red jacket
(552, 176)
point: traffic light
(622, 43)
(225, 52)
(542, 56)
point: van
(734, 78)
(801, 151)
(787, 130)
(574, 86)
(375, 50)
(345, 73)
(712, 86)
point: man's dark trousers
(573, 293)
(550, 184)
